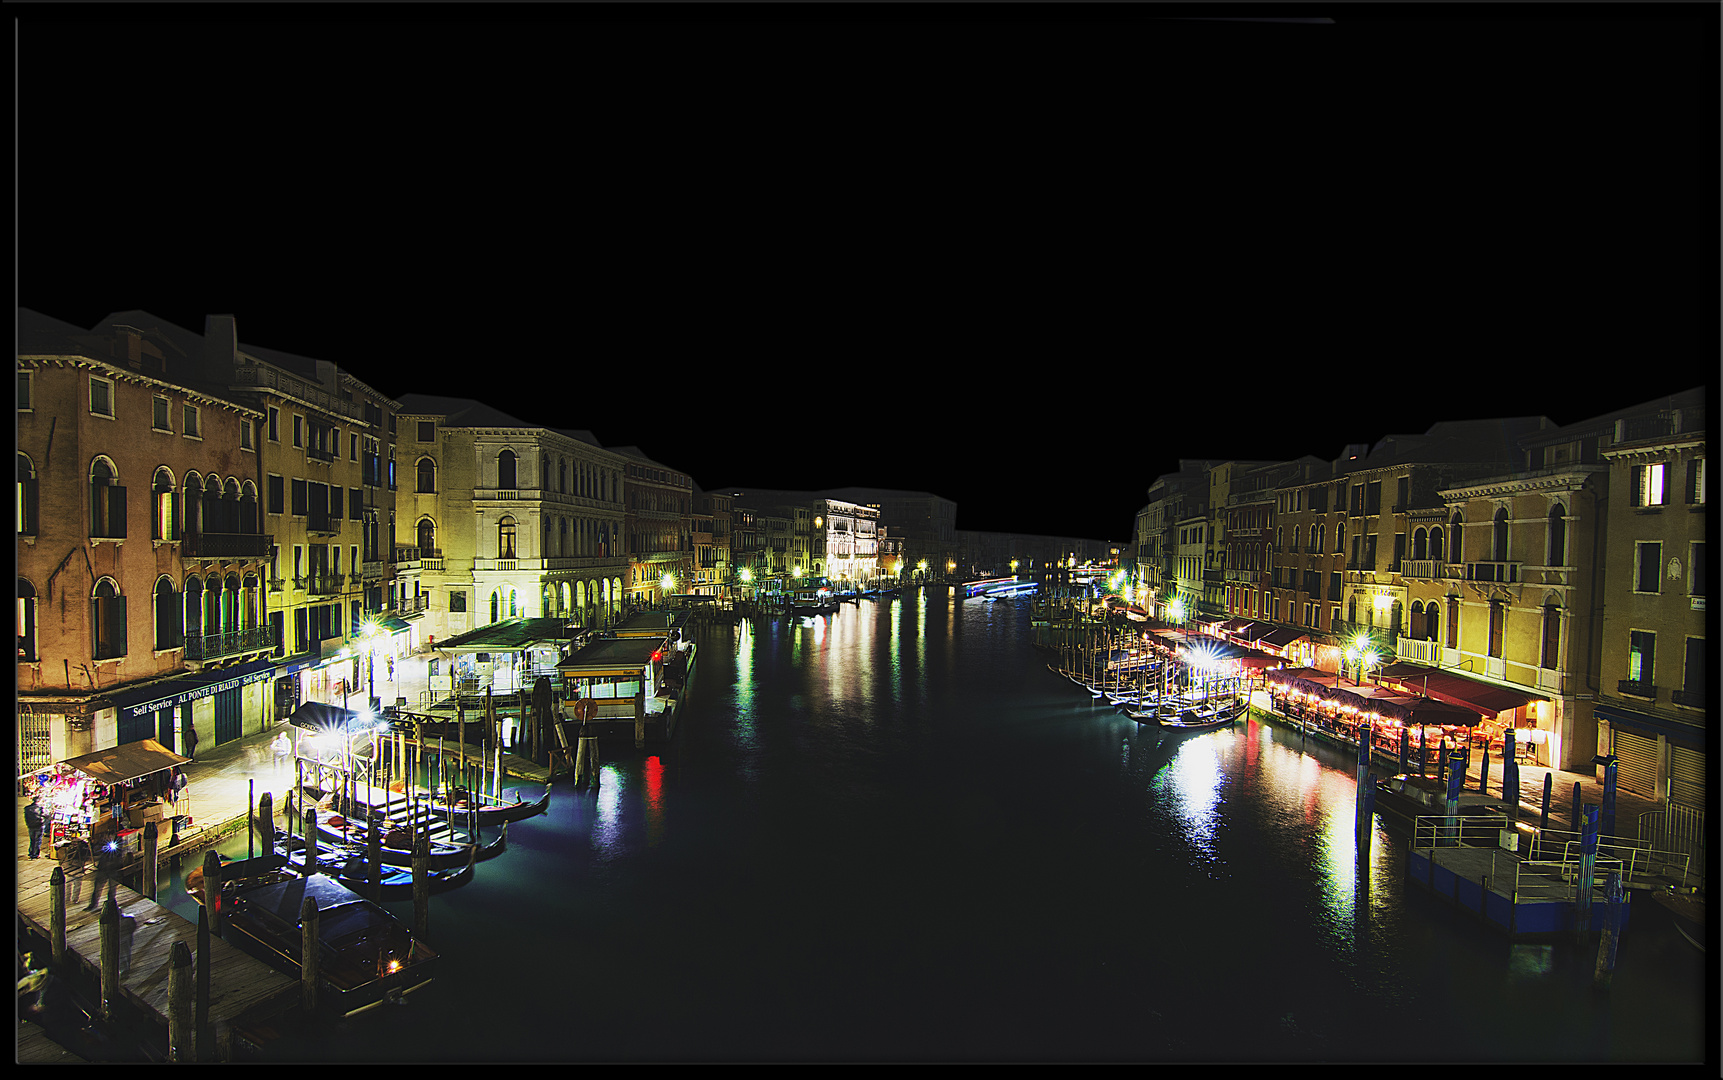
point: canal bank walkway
(1628, 805)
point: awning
(126, 762)
(1232, 626)
(1486, 699)
(169, 693)
(1688, 735)
(316, 716)
(394, 625)
(1279, 639)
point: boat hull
(365, 954)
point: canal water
(892, 833)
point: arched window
(212, 522)
(107, 621)
(514, 607)
(26, 496)
(506, 470)
(193, 605)
(562, 475)
(107, 501)
(164, 523)
(230, 604)
(1557, 536)
(562, 536)
(495, 602)
(168, 616)
(506, 538)
(1499, 537)
(191, 505)
(1456, 538)
(427, 477)
(1340, 538)
(544, 472)
(1436, 543)
(26, 622)
(1417, 632)
(427, 537)
(1453, 623)
(1550, 654)
(1420, 545)
(230, 506)
(248, 520)
(250, 617)
(1394, 612)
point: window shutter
(1637, 487)
(117, 624)
(117, 512)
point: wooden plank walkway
(240, 986)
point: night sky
(1025, 258)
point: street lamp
(1362, 655)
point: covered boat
(366, 955)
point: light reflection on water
(854, 851)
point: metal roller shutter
(1637, 762)
(1687, 777)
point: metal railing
(1677, 828)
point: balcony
(323, 525)
(1426, 570)
(226, 545)
(214, 646)
(1690, 699)
(371, 569)
(314, 453)
(1637, 689)
(324, 584)
(1506, 573)
(280, 381)
(1422, 652)
(409, 606)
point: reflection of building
(507, 519)
(1651, 691)
(142, 560)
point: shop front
(111, 795)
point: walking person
(191, 742)
(107, 866)
(283, 748)
(33, 820)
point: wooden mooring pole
(109, 921)
(57, 917)
(421, 880)
(1613, 895)
(180, 977)
(309, 919)
(151, 869)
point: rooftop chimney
(220, 344)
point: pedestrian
(391, 663)
(191, 742)
(283, 747)
(33, 819)
(75, 860)
(107, 866)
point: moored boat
(365, 954)
(394, 848)
(490, 812)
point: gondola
(443, 856)
(349, 864)
(494, 813)
(336, 830)
(1200, 719)
(366, 955)
(396, 882)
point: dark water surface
(891, 833)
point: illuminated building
(507, 519)
(142, 553)
(1652, 705)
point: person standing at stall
(33, 819)
(107, 845)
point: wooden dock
(241, 988)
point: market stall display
(110, 795)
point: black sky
(1023, 257)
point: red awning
(1485, 699)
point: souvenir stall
(112, 794)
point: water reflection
(607, 832)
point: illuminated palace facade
(506, 519)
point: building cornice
(1565, 479)
(1653, 451)
(120, 374)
